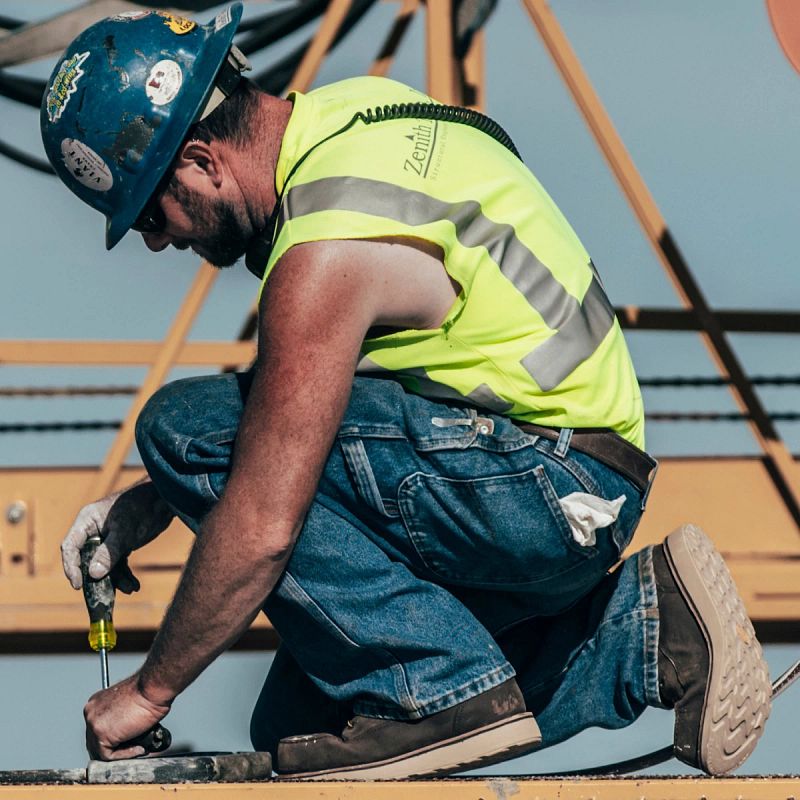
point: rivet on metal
(15, 513)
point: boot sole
(508, 738)
(737, 699)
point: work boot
(491, 727)
(710, 666)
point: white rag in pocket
(587, 512)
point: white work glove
(125, 521)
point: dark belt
(607, 447)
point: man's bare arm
(310, 334)
(320, 301)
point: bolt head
(15, 513)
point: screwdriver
(99, 597)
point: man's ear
(201, 157)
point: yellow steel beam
(596, 117)
(442, 68)
(402, 21)
(780, 462)
(498, 788)
(156, 375)
(53, 352)
(475, 73)
(37, 506)
(732, 499)
(320, 44)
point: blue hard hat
(120, 102)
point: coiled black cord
(433, 111)
(440, 113)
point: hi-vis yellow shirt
(532, 334)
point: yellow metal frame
(52, 352)
(163, 363)
(777, 457)
(385, 57)
(320, 44)
(34, 595)
(520, 788)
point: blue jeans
(435, 562)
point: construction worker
(428, 477)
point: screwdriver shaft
(104, 667)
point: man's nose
(156, 241)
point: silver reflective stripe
(485, 397)
(366, 366)
(482, 396)
(430, 387)
(579, 327)
(555, 358)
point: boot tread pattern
(738, 704)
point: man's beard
(224, 238)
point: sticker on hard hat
(222, 20)
(64, 85)
(86, 166)
(178, 25)
(164, 82)
(130, 16)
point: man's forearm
(313, 320)
(227, 578)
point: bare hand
(125, 521)
(116, 715)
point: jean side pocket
(360, 469)
(497, 532)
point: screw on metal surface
(15, 513)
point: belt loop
(650, 481)
(564, 438)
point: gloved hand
(125, 521)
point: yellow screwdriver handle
(99, 597)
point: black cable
(59, 427)
(716, 416)
(624, 767)
(29, 92)
(39, 427)
(779, 685)
(107, 391)
(755, 380)
(269, 28)
(276, 79)
(27, 161)
(24, 90)
(68, 391)
(9, 24)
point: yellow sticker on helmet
(64, 85)
(178, 25)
